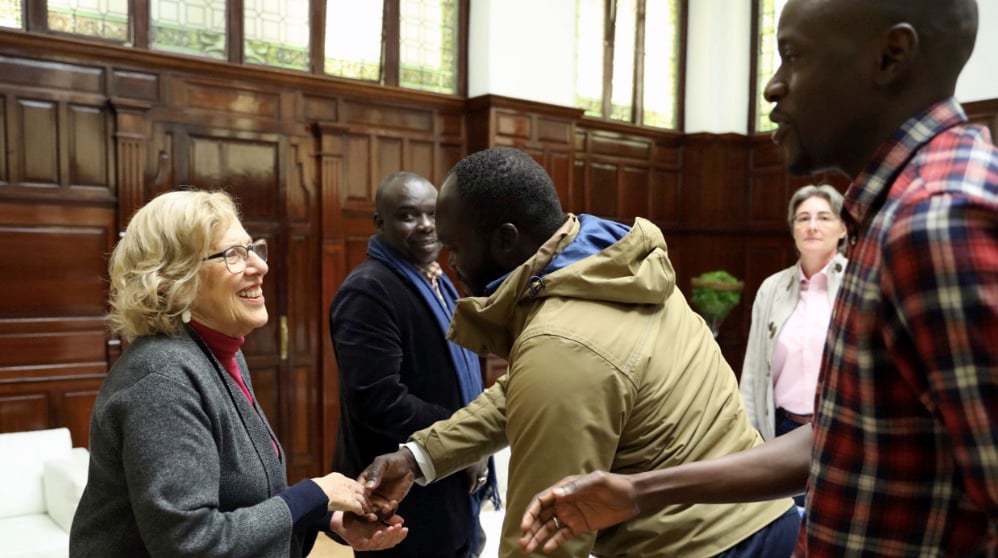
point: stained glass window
(428, 45)
(276, 33)
(657, 58)
(188, 26)
(769, 59)
(661, 66)
(10, 13)
(353, 44)
(589, 56)
(107, 19)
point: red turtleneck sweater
(224, 348)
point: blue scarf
(466, 364)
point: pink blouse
(798, 351)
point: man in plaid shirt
(904, 454)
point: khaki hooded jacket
(609, 369)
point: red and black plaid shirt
(905, 461)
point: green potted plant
(714, 294)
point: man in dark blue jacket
(398, 372)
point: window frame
(35, 19)
(756, 86)
(637, 94)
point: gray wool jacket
(180, 463)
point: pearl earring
(185, 316)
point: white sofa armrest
(64, 481)
(22, 461)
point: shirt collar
(861, 198)
(432, 271)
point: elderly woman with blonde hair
(182, 459)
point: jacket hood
(587, 259)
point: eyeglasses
(237, 256)
(822, 218)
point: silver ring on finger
(557, 524)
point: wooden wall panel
(56, 269)
(559, 166)
(304, 429)
(419, 159)
(267, 386)
(53, 337)
(512, 125)
(766, 189)
(301, 196)
(376, 116)
(228, 99)
(43, 74)
(248, 168)
(334, 271)
(321, 108)
(357, 179)
(39, 127)
(450, 155)
(390, 160)
(663, 205)
(56, 348)
(75, 405)
(644, 181)
(142, 86)
(24, 412)
(4, 132)
(714, 178)
(88, 159)
(984, 113)
(634, 192)
(602, 190)
(40, 405)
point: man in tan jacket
(609, 368)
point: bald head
(391, 184)
(405, 216)
(853, 71)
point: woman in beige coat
(790, 316)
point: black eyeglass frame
(253, 247)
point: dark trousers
(776, 540)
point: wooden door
(256, 168)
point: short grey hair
(824, 191)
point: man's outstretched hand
(575, 505)
(388, 479)
(362, 534)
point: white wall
(979, 80)
(717, 66)
(523, 49)
(526, 49)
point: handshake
(364, 509)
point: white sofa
(42, 477)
